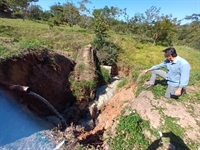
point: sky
(178, 8)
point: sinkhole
(46, 74)
(37, 98)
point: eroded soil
(46, 73)
(149, 108)
(49, 78)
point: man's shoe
(148, 86)
(183, 91)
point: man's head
(170, 53)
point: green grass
(170, 125)
(58, 38)
(123, 82)
(129, 133)
(104, 75)
(192, 98)
(80, 68)
(175, 133)
(5, 52)
(80, 88)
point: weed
(32, 44)
(171, 125)
(74, 56)
(175, 132)
(159, 91)
(81, 88)
(129, 133)
(123, 82)
(6, 53)
(104, 75)
(192, 97)
(195, 78)
(135, 73)
(140, 84)
(80, 67)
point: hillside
(34, 54)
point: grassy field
(29, 34)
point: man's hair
(170, 51)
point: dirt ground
(148, 108)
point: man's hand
(145, 71)
(178, 92)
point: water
(52, 109)
(37, 141)
(18, 125)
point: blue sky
(178, 8)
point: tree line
(149, 26)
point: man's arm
(161, 65)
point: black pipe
(63, 122)
(15, 88)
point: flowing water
(52, 109)
(20, 129)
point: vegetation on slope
(136, 50)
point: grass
(129, 133)
(80, 88)
(80, 68)
(175, 133)
(170, 125)
(58, 38)
(123, 82)
(104, 75)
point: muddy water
(16, 122)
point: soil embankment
(46, 73)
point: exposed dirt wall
(46, 73)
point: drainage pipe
(26, 89)
(63, 122)
(15, 88)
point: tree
(46, 15)
(85, 20)
(152, 15)
(82, 7)
(138, 26)
(65, 13)
(71, 14)
(160, 29)
(57, 13)
(193, 17)
(34, 12)
(189, 34)
(100, 28)
(3, 6)
(163, 31)
(107, 51)
(20, 6)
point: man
(177, 73)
